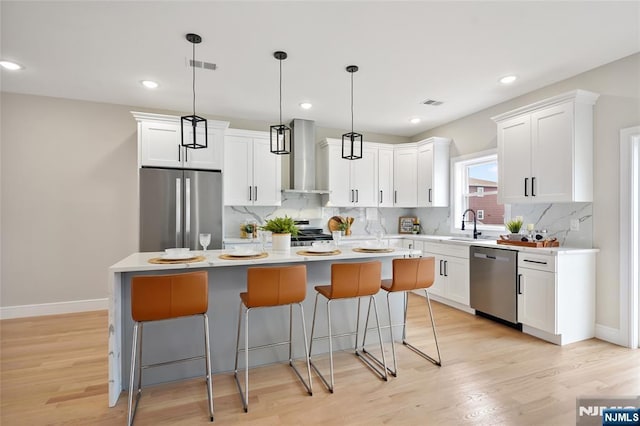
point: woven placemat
(159, 260)
(366, 250)
(315, 253)
(235, 257)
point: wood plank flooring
(54, 372)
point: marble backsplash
(555, 218)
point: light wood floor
(54, 371)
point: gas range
(307, 234)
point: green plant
(514, 225)
(343, 226)
(281, 225)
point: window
(475, 186)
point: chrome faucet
(475, 229)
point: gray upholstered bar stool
(348, 281)
(408, 275)
(269, 287)
(165, 297)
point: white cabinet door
(405, 177)
(238, 171)
(552, 154)
(514, 160)
(385, 177)
(457, 274)
(160, 144)
(537, 299)
(439, 286)
(339, 176)
(209, 158)
(364, 178)
(425, 175)
(266, 175)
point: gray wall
(618, 107)
(68, 186)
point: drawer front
(537, 262)
(445, 249)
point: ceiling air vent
(432, 102)
(202, 64)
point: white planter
(281, 242)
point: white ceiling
(407, 52)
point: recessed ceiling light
(306, 105)
(12, 66)
(414, 120)
(149, 84)
(508, 79)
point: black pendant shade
(352, 141)
(280, 140)
(193, 128)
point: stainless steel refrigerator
(177, 205)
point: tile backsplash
(555, 218)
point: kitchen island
(227, 278)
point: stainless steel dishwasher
(493, 283)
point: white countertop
(140, 261)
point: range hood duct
(302, 161)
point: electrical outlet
(575, 225)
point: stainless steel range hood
(302, 161)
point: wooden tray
(530, 243)
(232, 257)
(315, 253)
(366, 250)
(161, 261)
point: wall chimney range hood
(302, 161)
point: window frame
(458, 165)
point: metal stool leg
(207, 348)
(394, 373)
(135, 352)
(435, 336)
(313, 325)
(369, 356)
(244, 395)
(306, 354)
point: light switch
(575, 225)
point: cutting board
(335, 223)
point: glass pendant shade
(352, 141)
(352, 146)
(280, 139)
(193, 128)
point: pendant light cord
(193, 77)
(280, 91)
(351, 103)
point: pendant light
(280, 142)
(352, 142)
(190, 124)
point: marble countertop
(140, 261)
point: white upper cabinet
(252, 174)
(545, 150)
(353, 183)
(159, 143)
(385, 176)
(433, 172)
(405, 166)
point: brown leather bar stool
(411, 274)
(269, 287)
(348, 281)
(164, 297)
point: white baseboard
(611, 335)
(22, 311)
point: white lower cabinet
(451, 284)
(556, 296)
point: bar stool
(164, 297)
(411, 274)
(269, 287)
(348, 281)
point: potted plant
(514, 226)
(281, 228)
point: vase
(281, 242)
(515, 237)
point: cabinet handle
(440, 266)
(519, 283)
(186, 155)
(446, 268)
(533, 182)
(395, 196)
(526, 184)
(357, 196)
(429, 194)
(539, 262)
(178, 152)
(255, 193)
(381, 196)
(250, 193)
